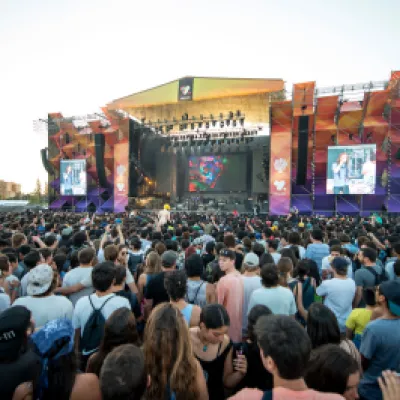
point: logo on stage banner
(185, 89)
(279, 190)
(121, 178)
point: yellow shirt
(358, 320)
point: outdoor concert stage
(224, 144)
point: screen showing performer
(217, 173)
(73, 177)
(351, 169)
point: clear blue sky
(74, 56)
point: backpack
(379, 278)
(267, 395)
(94, 330)
(192, 301)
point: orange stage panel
(303, 98)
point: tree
(37, 194)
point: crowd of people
(192, 307)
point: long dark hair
(120, 328)
(61, 374)
(322, 326)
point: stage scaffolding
(342, 115)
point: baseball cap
(228, 253)
(251, 259)
(301, 224)
(198, 241)
(39, 280)
(55, 338)
(391, 291)
(14, 323)
(169, 258)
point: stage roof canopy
(203, 89)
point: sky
(74, 56)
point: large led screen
(73, 178)
(351, 169)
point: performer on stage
(340, 170)
(67, 178)
(164, 216)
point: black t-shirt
(239, 261)
(25, 369)
(131, 297)
(156, 291)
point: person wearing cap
(380, 342)
(339, 292)
(251, 281)
(230, 293)
(41, 301)
(18, 363)
(155, 290)
(59, 376)
(31, 260)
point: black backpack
(267, 395)
(94, 330)
(379, 278)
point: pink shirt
(230, 293)
(281, 393)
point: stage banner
(185, 89)
(279, 180)
(121, 179)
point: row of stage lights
(209, 146)
(230, 120)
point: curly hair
(169, 356)
(175, 284)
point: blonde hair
(153, 263)
(285, 266)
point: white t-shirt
(4, 300)
(279, 300)
(250, 284)
(87, 282)
(326, 265)
(83, 308)
(24, 284)
(75, 276)
(163, 217)
(276, 257)
(45, 309)
(339, 295)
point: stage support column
(279, 179)
(121, 178)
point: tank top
(214, 372)
(196, 292)
(187, 313)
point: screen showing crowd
(73, 177)
(225, 173)
(351, 169)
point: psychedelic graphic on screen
(205, 171)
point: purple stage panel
(108, 205)
(320, 186)
(83, 204)
(324, 203)
(394, 203)
(303, 204)
(347, 205)
(56, 204)
(372, 202)
(55, 184)
(302, 189)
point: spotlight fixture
(221, 124)
(200, 124)
(221, 116)
(201, 116)
(238, 113)
(351, 136)
(143, 119)
(234, 123)
(192, 126)
(333, 139)
(214, 122)
(230, 115)
(241, 121)
(207, 125)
